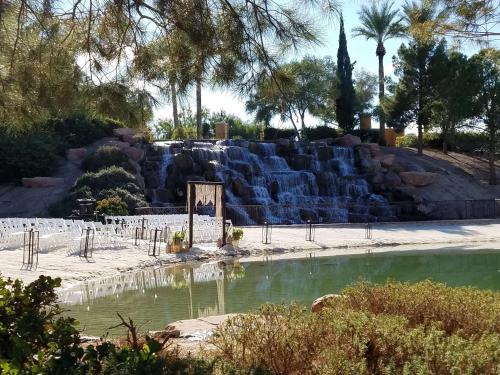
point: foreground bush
(36, 339)
(396, 328)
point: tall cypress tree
(345, 87)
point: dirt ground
(461, 176)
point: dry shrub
(364, 343)
(424, 328)
(280, 339)
(466, 311)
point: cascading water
(266, 183)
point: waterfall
(274, 183)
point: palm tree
(380, 24)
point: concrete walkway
(288, 240)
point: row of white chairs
(56, 233)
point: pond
(155, 297)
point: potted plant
(178, 239)
(237, 235)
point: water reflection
(160, 296)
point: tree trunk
(381, 93)
(173, 97)
(293, 123)
(420, 139)
(445, 147)
(198, 108)
(420, 125)
(492, 149)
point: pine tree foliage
(346, 95)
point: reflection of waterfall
(267, 183)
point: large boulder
(120, 132)
(378, 178)
(319, 303)
(134, 153)
(183, 163)
(152, 179)
(242, 167)
(240, 187)
(369, 166)
(282, 142)
(132, 139)
(151, 166)
(325, 153)
(386, 160)
(374, 148)
(392, 180)
(120, 145)
(42, 182)
(164, 195)
(347, 140)
(76, 154)
(418, 178)
(302, 162)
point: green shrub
(433, 140)
(271, 134)
(36, 339)
(184, 132)
(112, 182)
(107, 156)
(112, 206)
(36, 153)
(409, 140)
(27, 155)
(80, 130)
(241, 130)
(468, 141)
(461, 141)
(396, 328)
(108, 178)
(33, 334)
(131, 200)
(237, 234)
(319, 132)
(179, 236)
(468, 311)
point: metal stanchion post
(267, 230)
(310, 230)
(368, 231)
(31, 246)
(87, 243)
(155, 237)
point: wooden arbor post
(206, 192)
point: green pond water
(155, 297)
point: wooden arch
(206, 192)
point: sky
(360, 50)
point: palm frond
(379, 23)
